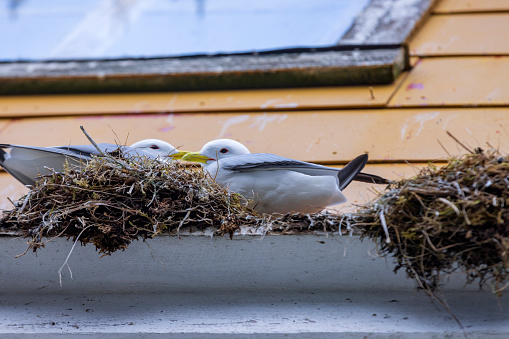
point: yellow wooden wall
(459, 83)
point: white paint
(172, 102)
(310, 146)
(495, 94)
(444, 122)
(418, 119)
(232, 121)
(288, 105)
(141, 105)
(270, 103)
(261, 121)
(169, 120)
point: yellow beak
(178, 155)
(196, 157)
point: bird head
(159, 149)
(216, 150)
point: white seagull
(278, 184)
(25, 162)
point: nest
(447, 219)
(110, 202)
(443, 220)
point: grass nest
(446, 219)
(111, 201)
(442, 220)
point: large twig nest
(110, 202)
(445, 219)
(442, 220)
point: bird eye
(224, 150)
(154, 147)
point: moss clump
(447, 219)
(111, 201)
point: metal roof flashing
(251, 285)
(202, 262)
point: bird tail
(351, 170)
(371, 179)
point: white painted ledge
(249, 287)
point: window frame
(373, 51)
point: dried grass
(441, 221)
(447, 219)
(111, 201)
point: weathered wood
(335, 136)
(264, 100)
(330, 68)
(471, 6)
(463, 82)
(387, 22)
(452, 35)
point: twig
(459, 142)
(99, 150)
(92, 141)
(443, 147)
(66, 262)
(384, 225)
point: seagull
(278, 184)
(25, 162)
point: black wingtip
(371, 179)
(3, 155)
(350, 171)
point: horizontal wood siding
(462, 6)
(451, 81)
(458, 83)
(395, 135)
(207, 101)
(465, 34)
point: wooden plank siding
(454, 81)
(460, 87)
(330, 137)
(206, 101)
(468, 6)
(461, 34)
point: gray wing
(25, 162)
(268, 162)
(272, 162)
(84, 152)
(69, 151)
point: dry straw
(111, 201)
(447, 219)
(443, 220)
